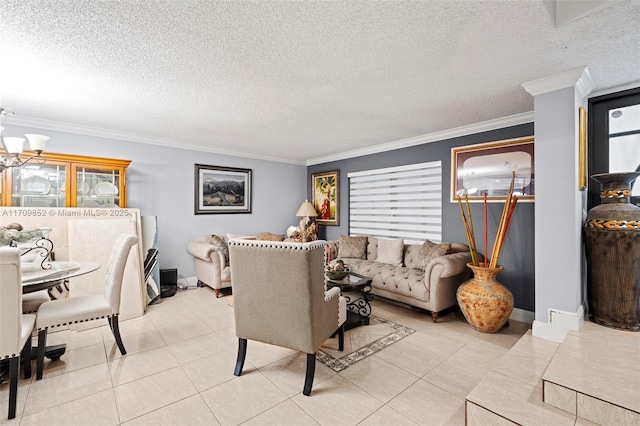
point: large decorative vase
(612, 245)
(485, 303)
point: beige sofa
(212, 266)
(433, 288)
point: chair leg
(242, 353)
(217, 292)
(42, 344)
(26, 358)
(311, 371)
(115, 329)
(341, 338)
(434, 315)
(14, 371)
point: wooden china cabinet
(66, 181)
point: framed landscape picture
(325, 197)
(487, 168)
(222, 190)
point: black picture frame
(222, 190)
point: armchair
(279, 298)
(212, 266)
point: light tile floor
(179, 371)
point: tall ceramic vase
(485, 303)
(612, 245)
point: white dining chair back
(15, 328)
(115, 270)
(56, 313)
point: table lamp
(306, 211)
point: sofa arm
(450, 264)
(205, 251)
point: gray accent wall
(518, 253)
(160, 182)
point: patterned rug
(396, 332)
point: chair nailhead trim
(278, 244)
(74, 322)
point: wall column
(559, 205)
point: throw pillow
(431, 250)
(353, 247)
(390, 251)
(268, 236)
(220, 243)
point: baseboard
(559, 324)
(523, 315)
(187, 282)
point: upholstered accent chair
(15, 327)
(212, 267)
(56, 313)
(279, 298)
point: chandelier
(13, 146)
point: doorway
(614, 139)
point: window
(397, 202)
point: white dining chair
(32, 301)
(57, 313)
(15, 327)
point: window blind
(397, 202)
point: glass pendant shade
(37, 142)
(13, 145)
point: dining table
(36, 276)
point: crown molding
(485, 126)
(133, 137)
(610, 90)
(512, 120)
(577, 77)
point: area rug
(396, 332)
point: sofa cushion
(430, 251)
(353, 247)
(407, 282)
(390, 251)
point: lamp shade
(13, 145)
(306, 209)
(37, 142)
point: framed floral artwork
(222, 190)
(325, 197)
(487, 168)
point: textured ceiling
(295, 81)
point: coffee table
(358, 308)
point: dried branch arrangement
(503, 226)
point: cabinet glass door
(97, 187)
(42, 185)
